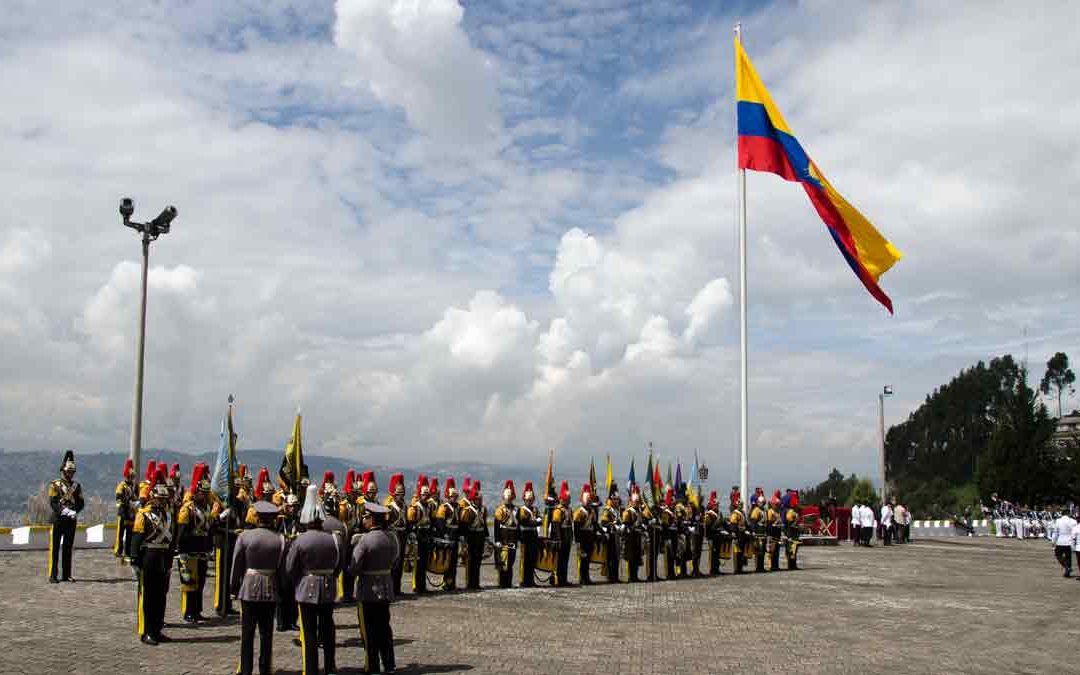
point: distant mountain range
(24, 473)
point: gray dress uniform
(373, 560)
(257, 564)
(311, 564)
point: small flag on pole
(225, 462)
(609, 480)
(631, 479)
(292, 463)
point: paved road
(945, 606)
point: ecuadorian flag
(767, 143)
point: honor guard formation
(288, 553)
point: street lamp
(150, 232)
(886, 391)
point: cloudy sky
(480, 230)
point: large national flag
(225, 466)
(767, 143)
(292, 463)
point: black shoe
(282, 629)
(162, 638)
(190, 619)
(68, 579)
(148, 640)
(53, 580)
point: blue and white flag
(225, 463)
(631, 479)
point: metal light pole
(887, 391)
(150, 232)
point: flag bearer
(194, 543)
(152, 543)
(127, 500)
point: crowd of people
(290, 553)
(1020, 520)
(891, 523)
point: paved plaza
(978, 605)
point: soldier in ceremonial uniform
(757, 527)
(610, 526)
(561, 530)
(127, 500)
(773, 531)
(669, 529)
(194, 543)
(529, 523)
(790, 513)
(506, 536)
(447, 525)
(288, 526)
(152, 541)
(696, 535)
(737, 528)
(332, 524)
(713, 524)
(65, 500)
(348, 512)
(397, 525)
(373, 558)
(418, 516)
(585, 527)
(264, 492)
(633, 520)
(256, 566)
(311, 563)
(684, 517)
(473, 515)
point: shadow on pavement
(408, 669)
(208, 639)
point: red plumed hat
(736, 497)
(161, 475)
(151, 471)
(528, 488)
(509, 485)
(713, 503)
(397, 480)
(669, 496)
(433, 488)
(263, 483)
(128, 465)
(421, 483)
(328, 477)
(564, 492)
(174, 472)
(467, 487)
(196, 473)
(350, 478)
(775, 501)
(368, 480)
(585, 489)
(794, 502)
(242, 470)
(450, 485)
(474, 491)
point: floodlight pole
(886, 391)
(150, 231)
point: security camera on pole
(150, 232)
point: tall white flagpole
(743, 398)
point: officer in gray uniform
(373, 560)
(257, 562)
(311, 564)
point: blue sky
(483, 230)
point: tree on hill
(1058, 379)
(985, 428)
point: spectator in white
(1064, 540)
(886, 523)
(868, 525)
(899, 514)
(856, 524)
(1076, 546)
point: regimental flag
(225, 462)
(549, 479)
(691, 493)
(292, 463)
(669, 481)
(610, 477)
(592, 478)
(649, 471)
(631, 479)
(679, 485)
(767, 143)
(656, 484)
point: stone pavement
(944, 606)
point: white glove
(67, 513)
(224, 516)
